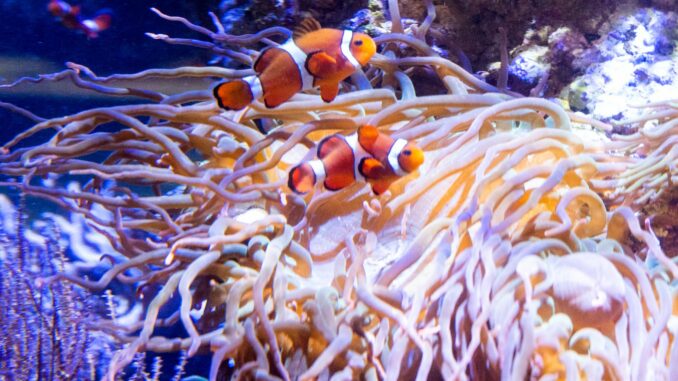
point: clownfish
(71, 18)
(366, 155)
(314, 57)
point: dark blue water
(29, 29)
(33, 40)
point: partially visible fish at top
(366, 155)
(314, 57)
(70, 17)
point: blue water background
(31, 34)
(33, 38)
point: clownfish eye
(358, 42)
(407, 152)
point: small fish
(366, 155)
(314, 57)
(71, 18)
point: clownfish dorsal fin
(367, 135)
(306, 25)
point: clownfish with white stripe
(366, 155)
(314, 57)
(70, 17)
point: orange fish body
(366, 155)
(317, 57)
(70, 17)
(62, 9)
(92, 27)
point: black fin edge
(360, 167)
(261, 55)
(215, 92)
(321, 144)
(290, 182)
(301, 84)
(308, 59)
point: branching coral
(506, 256)
(46, 326)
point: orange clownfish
(71, 18)
(313, 57)
(366, 155)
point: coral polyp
(516, 250)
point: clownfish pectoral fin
(380, 186)
(371, 168)
(367, 135)
(320, 64)
(307, 25)
(302, 178)
(329, 91)
(233, 95)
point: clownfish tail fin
(305, 176)
(233, 95)
(302, 179)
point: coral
(44, 326)
(516, 251)
(595, 55)
(242, 17)
(473, 25)
(632, 62)
(663, 214)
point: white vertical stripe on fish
(91, 24)
(299, 58)
(255, 86)
(346, 48)
(318, 169)
(393, 153)
(358, 154)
